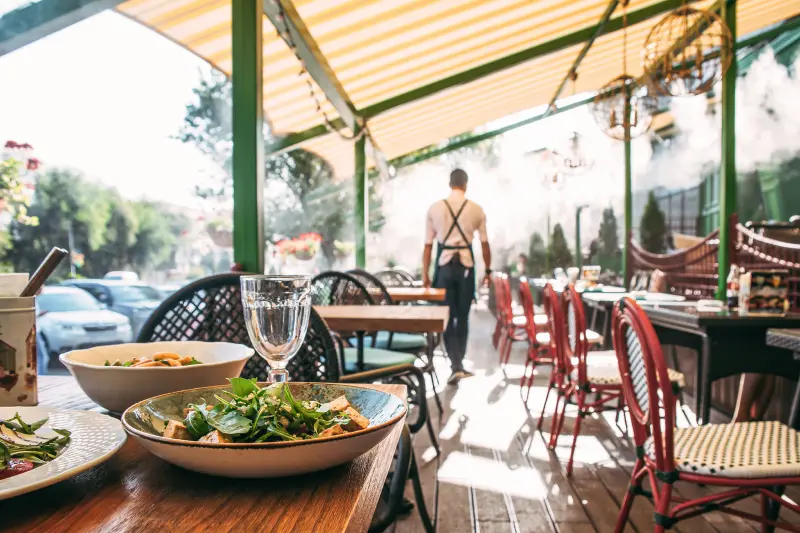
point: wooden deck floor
(495, 473)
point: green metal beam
(573, 70)
(361, 207)
(627, 271)
(32, 22)
(549, 47)
(727, 175)
(248, 137)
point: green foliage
(607, 253)
(300, 192)
(112, 233)
(560, 254)
(653, 227)
(537, 256)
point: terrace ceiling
(451, 65)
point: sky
(105, 96)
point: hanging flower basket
(220, 235)
(304, 247)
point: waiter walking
(452, 222)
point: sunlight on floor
(460, 468)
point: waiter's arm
(426, 265)
(430, 234)
(485, 249)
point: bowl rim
(247, 353)
(260, 445)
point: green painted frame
(248, 136)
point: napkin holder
(18, 376)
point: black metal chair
(210, 310)
(339, 288)
(395, 277)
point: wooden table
(361, 319)
(136, 491)
(416, 294)
(727, 344)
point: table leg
(360, 351)
(703, 400)
(795, 411)
(595, 310)
(606, 328)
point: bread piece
(357, 420)
(339, 404)
(331, 431)
(176, 430)
(216, 436)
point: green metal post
(727, 186)
(361, 201)
(578, 253)
(626, 257)
(248, 136)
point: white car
(68, 318)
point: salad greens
(21, 448)
(251, 414)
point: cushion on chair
(375, 358)
(602, 369)
(400, 341)
(592, 337)
(739, 450)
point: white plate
(661, 297)
(95, 438)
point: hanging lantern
(572, 159)
(687, 52)
(616, 117)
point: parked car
(69, 318)
(135, 300)
(124, 275)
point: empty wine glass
(276, 310)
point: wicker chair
(210, 310)
(395, 277)
(340, 288)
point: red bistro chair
(540, 349)
(743, 458)
(511, 328)
(555, 325)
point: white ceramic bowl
(116, 388)
(146, 420)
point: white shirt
(439, 220)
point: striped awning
(380, 49)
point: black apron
(441, 246)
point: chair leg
(550, 387)
(508, 346)
(662, 505)
(524, 379)
(558, 419)
(419, 497)
(436, 394)
(627, 501)
(501, 346)
(576, 430)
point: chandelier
(687, 52)
(624, 109)
(572, 159)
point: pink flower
(25, 146)
(11, 144)
(33, 163)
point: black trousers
(459, 282)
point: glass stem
(278, 375)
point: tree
(653, 227)
(537, 255)
(301, 194)
(560, 254)
(607, 253)
(111, 232)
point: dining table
(136, 491)
(416, 294)
(361, 319)
(727, 343)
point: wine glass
(276, 311)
